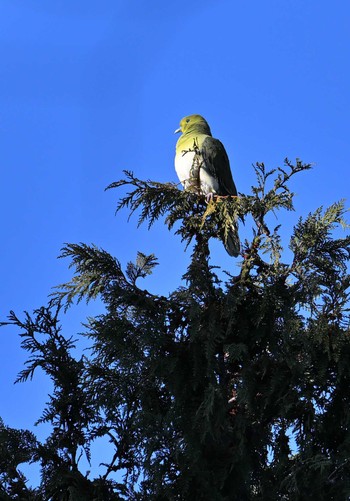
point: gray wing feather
(217, 162)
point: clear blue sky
(90, 88)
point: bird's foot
(209, 197)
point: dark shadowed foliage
(230, 388)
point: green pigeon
(202, 164)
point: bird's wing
(217, 163)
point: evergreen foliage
(234, 389)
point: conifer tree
(233, 387)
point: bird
(202, 165)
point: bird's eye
(187, 120)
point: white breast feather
(208, 183)
(183, 165)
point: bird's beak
(177, 130)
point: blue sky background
(90, 88)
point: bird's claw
(209, 197)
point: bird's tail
(231, 241)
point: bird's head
(193, 123)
